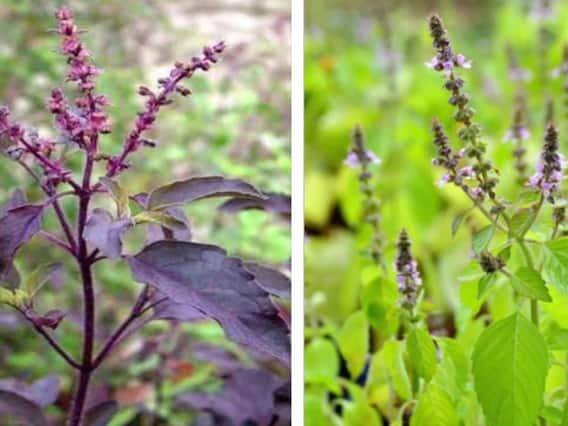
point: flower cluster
(407, 274)
(445, 60)
(483, 171)
(155, 100)
(450, 161)
(83, 122)
(518, 134)
(516, 72)
(360, 156)
(24, 143)
(550, 166)
(562, 71)
(489, 263)
(542, 10)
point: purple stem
(53, 343)
(137, 311)
(56, 241)
(85, 266)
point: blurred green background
(235, 124)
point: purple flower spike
(550, 166)
(155, 100)
(85, 120)
(407, 274)
(445, 60)
(359, 155)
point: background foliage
(236, 124)
(365, 65)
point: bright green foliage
(353, 341)
(482, 239)
(510, 363)
(422, 352)
(556, 252)
(435, 407)
(321, 364)
(529, 283)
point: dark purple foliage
(104, 232)
(204, 278)
(184, 281)
(18, 408)
(101, 414)
(274, 282)
(273, 203)
(193, 189)
(247, 396)
(17, 226)
(42, 392)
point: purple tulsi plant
(182, 280)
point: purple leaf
(17, 199)
(171, 310)
(222, 359)
(17, 226)
(11, 276)
(42, 392)
(101, 414)
(275, 203)
(271, 280)
(51, 319)
(45, 390)
(105, 233)
(13, 404)
(198, 188)
(204, 278)
(247, 396)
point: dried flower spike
(407, 274)
(550, 166)
(489, 263)
(360, 156)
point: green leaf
(455, 352)
(322, 363)
(379, 298)
(520, 220)
(6, 296)
(529, 283)
(556, 262)
(482, 239)
(557, 339)
(390, 360)
(485, 282)
(505, 254)
(316, 411)
(160, 218)
(353, 341)
(119, 195)
(360, 413)
(510, 364)
(37, 279)
(422, 352)
(435, 407)
(457, 221)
